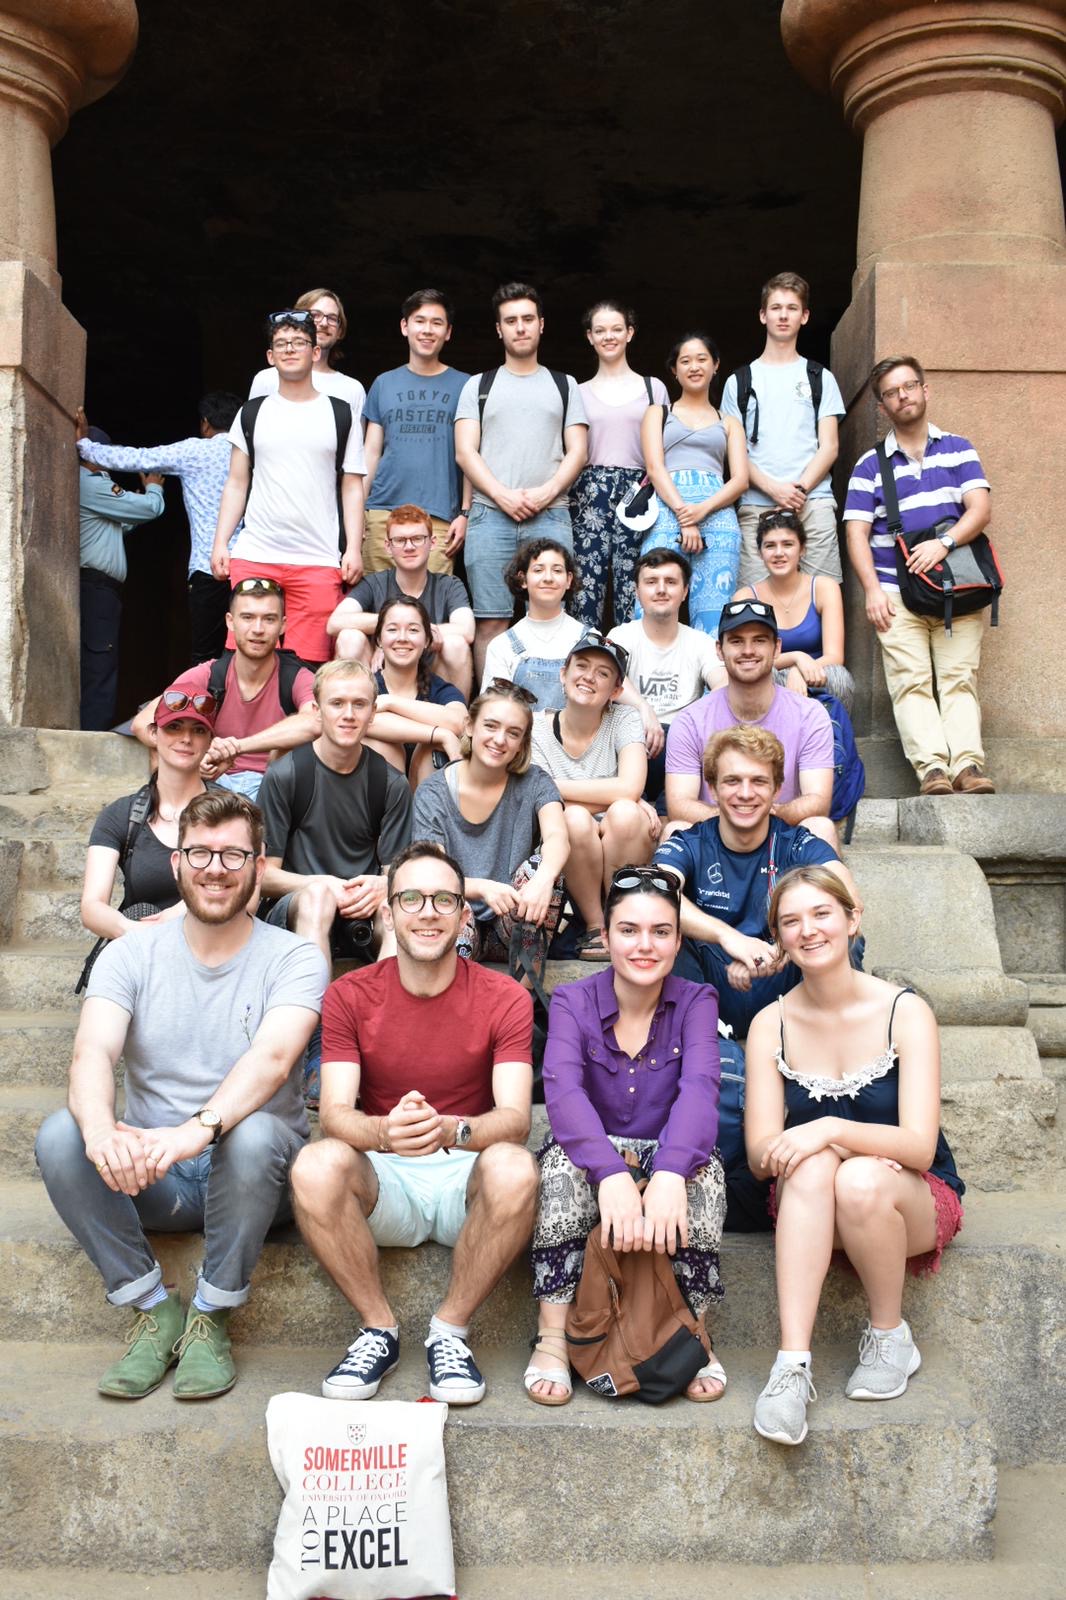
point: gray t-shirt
(489, 849)
(189, 1024)
(621, 726)
(441, 596)
(335, 834)
(521, 435)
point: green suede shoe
(151, 1352)
(205, 1365)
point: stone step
(53, 864)
(41, 976)
(920, 1472)
(23, 1107)
(35, 1046)
(68, 813)
(996, 1303)
(1047, 1012)
(37, 758)
(52, 914)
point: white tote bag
(366, 1500)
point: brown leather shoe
(936, 781)
(972, 781)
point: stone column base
(42, 376)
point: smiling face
(293, 353)
(609, 334)
(403, 637)
(781, 552)
(327, 315)
(813, 927)
(499, 733)
(426, 934)
(182, 744)
(694, 367)
(744, 791)
(427, 331)
(547, 583)
(519, 325)
(216, 894)
(748, 652)
(643, 938)
(590, 679)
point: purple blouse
(668, 1092)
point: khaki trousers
(821, 555)
(941, 726)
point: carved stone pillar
(961, 262)
(55, 56)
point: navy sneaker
(453, 1376)
(358, 1376)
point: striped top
(929, 492)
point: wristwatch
(463, 511)
(463, 1133)
(210, 1119)
(947, 541)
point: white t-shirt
(551, 641)
(788, 432)
(669, 679)
(291, 516)
(326, 382)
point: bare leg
(455, 663)
(311, 913)
(626, 837)
(583, 872)
(806, 1207)
(334, 1190)
(825, 830)
(501, 1207)
(352, 645)
(485, 630)
(883, 1216)
(711, 1386)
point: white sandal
(557, 1375)
(712, 1369)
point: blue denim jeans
(492, 542)
(235, 1192)
(246, 783)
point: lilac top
(668, 1092)
(802, 725)
(929, 491)
(614, 431)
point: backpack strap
(249, 413)
(744, 395)
(304, 765)
(289, 668)
(651, 391)
(216, 683)
(562, 383)
(814, 378)
(342, 416)
(888, 491)
(377, 791)
(484, 384)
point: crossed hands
(655, 1219)
(130, 1159)
(414, 1128)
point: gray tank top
(698, 450)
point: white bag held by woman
(366, 1500)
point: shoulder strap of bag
(744, 394)
(342, 416)
(289, 668)
(249, 413)
(651, 391)
(814, 378)
(485, 383)
(888, 491)
(304, 763)
(377, 789)
(216, 683)
(562, 383)
(140, 811)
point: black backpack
(342, 416)
(745, 393)
(560, 380)
(288, 668)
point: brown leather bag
(628, 1329)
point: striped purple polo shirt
(928, 493)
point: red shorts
(311, 595)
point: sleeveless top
(807, 634)
(694, 449)
(869, 1094)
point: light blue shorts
(246, 783)
(420, 1197)
(492, 540)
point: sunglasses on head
(177, 700)
(733, 608)
(514, 691)
(277, 317)
(627, 878)
(259, 586)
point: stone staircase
(881, 1501)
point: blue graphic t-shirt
(733, 885)
(417, 416)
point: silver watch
(463, 1133)
(947, 541)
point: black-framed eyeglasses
(277, 317)
(330, 318)
(631, 878)
(733, 608)
(232, 858)
(259, 587)
(292, 344)
(514, 691)
(413, 901)
(178, 700)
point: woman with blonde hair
(843, 1113)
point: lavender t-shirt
(801, 724)
(614, 431)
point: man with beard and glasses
(211, 1012)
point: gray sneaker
(886, 1361)
(781, 1409)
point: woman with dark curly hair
(531, 653)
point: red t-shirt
(443, 1045)
(239, 717)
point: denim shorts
(420, 1197)
(492, 540)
